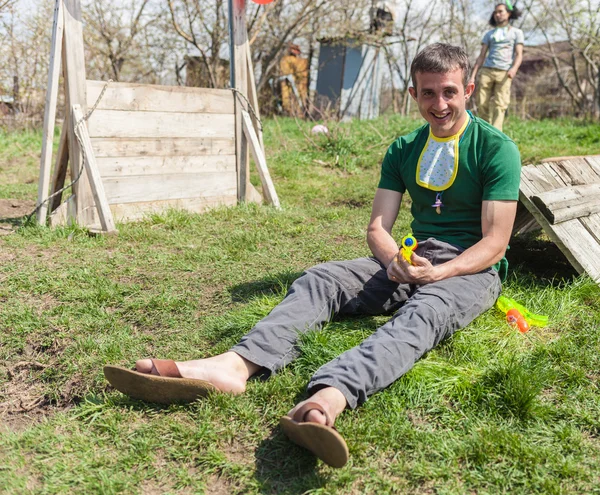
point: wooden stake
(75, 84)
(50, 112)
(106, 218)
(261, 163)
(61, 165)
(253, 98)
(239, 40)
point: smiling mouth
(440, 116)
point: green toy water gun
(409, 244)
(506, 305)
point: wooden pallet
(562, 195)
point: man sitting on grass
(463, 178)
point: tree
(577, 22)
(120, 39)
(25, 38)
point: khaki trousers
(493, 95)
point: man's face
(442, 100)
(501, 15)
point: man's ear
(469, 88)
(413, 92)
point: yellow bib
(438, 163)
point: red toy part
(516, 319)
(262, 2)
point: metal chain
(80, 172)
(248, 104)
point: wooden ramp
(562, 195)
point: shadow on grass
(283, 467)
(271, 284)
(539, 259)
(14, 221)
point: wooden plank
(572, 171)
(592, 225)
(133, 147)
(238, 44)
(568, 203)
(137, 211)
(61, 166)
(50, 112)
(74, 64)
(552, 176)
(538, 181)
(581, 245)
(134, 189)
(261, 163)
(162, 125)
(253, 99)
(63, 213)
(594, 162)
(104, 213)
(563, 158)
(154, 98)
(165, 165)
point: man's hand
(511, 73)
(421, 271)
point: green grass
(489, 411)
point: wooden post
(106, 218)
(61, 165)
(50, 111)
(238, 41)
(261, 163)
(74, 64)
(253, 98)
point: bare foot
(229, 372)
(330, 398)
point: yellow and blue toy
(409, 244)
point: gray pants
(424, 316)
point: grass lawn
(490, 411)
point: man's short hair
(441, 58)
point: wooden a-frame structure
(145, 148)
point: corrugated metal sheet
(349, 78)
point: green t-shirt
(489, 168)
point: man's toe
(144, 366)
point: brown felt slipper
(322, 440)
(165, 388)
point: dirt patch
(22, 401)
(217, 485)
(12, 212)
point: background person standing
(504, 48)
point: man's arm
(497, 218)
(479, 62)
(512, 72)
(386, 206)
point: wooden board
(133, 147)
(133, 189)
(577, 238)
(160, 125)
(106, 219)
(165, 165)
(568, 203)
(139, 210)
(154, 98)
(74, 76)
(160, 147)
